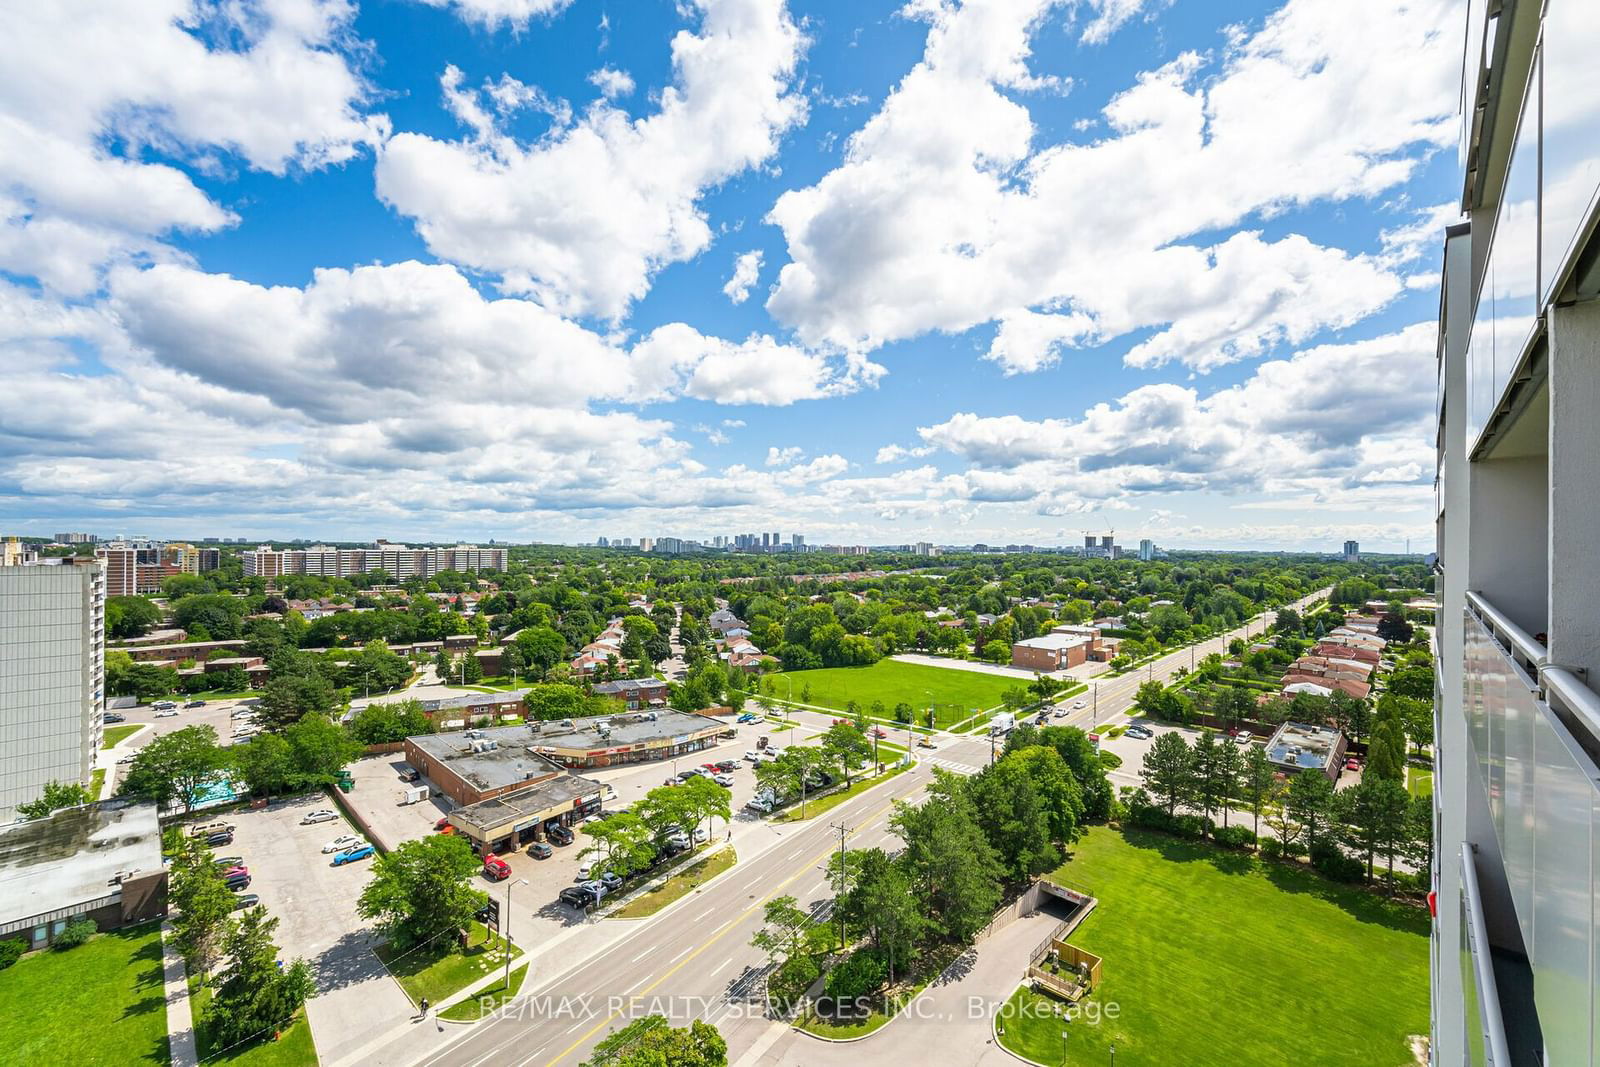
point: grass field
(97, 782)
(1419, 780)
(98, 1003)
(1215, 958)
(441, 969)
(485, 1001)
(293, 1048)
(685, 881)
(115, 735)
(954, 693)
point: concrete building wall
(52, 672)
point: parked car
(540, 851)
(194, 704)
(700, 835)
(341, 843)
(496, 869)
(728, 766)
(236, 871)
(610, 881)
(724, 780)
(1352, 764)
(224, 863)
(1243, 737)
(129, 758)
(245, 900)
(441, 823)
(560, 835)
(672, 847)
(239, 713)
(167, 714)
(237, 882)
(753, 756)
(165, 705)
(579, 897)
(1143, 733)
(224, 837)
(583, 871)
(410, 774)
(210, 828)
(320, 815)
(360, 852)
(112, 716)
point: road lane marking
(641, 955)
(682, 954)
(719, 966)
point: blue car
(350, 855)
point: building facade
(52, 676)
(400, 562)
(1516, 937)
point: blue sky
(461, 268)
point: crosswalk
(951, 765)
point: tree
(321, 750)
(1289, 622)
(174, 766)
(1229, 767)
(554, 700)
(1412, 680)
(209, 617)
(845, 747)
(469, 669)
(882, 903)
(1393, 627)
(130, 616)
(381, 724)
(1256, 782)
(902, 712)
(783, 928)
(56, 795)
(1309, 802)
(1205, 768)
(652, 1042)
(1168, 771)
(1060, 795)
(201, 905)
(1371, 814)
(1386, 751)
(789, 775)
(1014, 821)
(623, 843)
(422, 888)
(541, 647)
(953, 867)
(257, 995)
(289, 698)
(266, 763)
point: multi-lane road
(695, 960)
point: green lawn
(955, 693)
(1419, 780)
(294, 1047)
(680, 884)
(485, 1001)
(817, 805)
(1215, 958)
(115, 735)
(99, 1003)
(441, 968)
(97, 782)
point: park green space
(678, 885)
(115, 735)
(1213, 957)
(101, 1002)
(1419, 780)
(440, 968)
(955, 694)
(293, 1047)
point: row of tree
(627, 842)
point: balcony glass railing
(1486, 1031)
(1543, 790)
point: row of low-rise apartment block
(400, 562)
(138, 567)
(52, 675)
(1516, 947)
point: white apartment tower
(52, 676)
(1516, 937)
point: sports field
(1214, 958)
(955, 694)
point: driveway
(315, 904)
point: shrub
(76, 933)
(789, 983)
(1234, 837)
(861, 973)
(1190, 826)
(1332, 862)
(1271, 848)
(10, 952)
(1110, 760)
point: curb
(994, 1032)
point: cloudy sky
(873, 272)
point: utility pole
(841, 829)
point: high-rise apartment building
(1147, 549)
(52, 676)
(1516, 872)
(74, 538)
(1352, 551)
(398, 561)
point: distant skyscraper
(1088, 541)
(1352, 552)
(1105, 544)
(776, 540)
(798, 540)
(1147, 549)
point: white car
(724, 780)
(169, 713)
(339, 844)
(320, 815)
(1079, 705)
(701, 836)
(583, 871)
(753, 756)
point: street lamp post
(506, 933)
(1063, 1048)
(1113, 1054)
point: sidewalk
(180, 1023)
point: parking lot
(315, 904)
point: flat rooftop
(73, 857)
(1054, 641)
(509, 761)
(635, 728)
(536, 802)
(1298, 744)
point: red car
(441, 824)
(496, 869)
(878, 731)
(1352, 764)
(838, 722)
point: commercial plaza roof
(519, 810)
(72, 858)
(1301, 745)
(487, 759)
(665, 726)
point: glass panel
(1571, 124)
